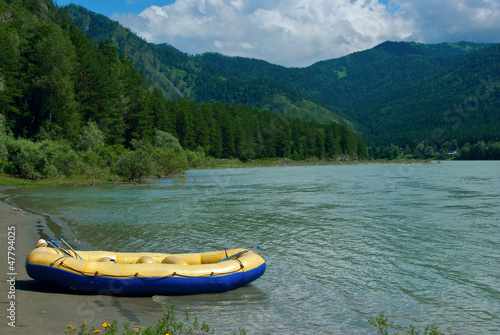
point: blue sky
(300, 32)
(110, 7)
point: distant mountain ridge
(396, 92)
(178, 74)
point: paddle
(63, 241)
(54, 245)
(237, 254)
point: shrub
(138, 164)
(25, 159)
(170, 162)
(163, 139)
(35, 160)
(196, 158)
(111, 155)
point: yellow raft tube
(145, 274)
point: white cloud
(454, 20)
(301, 32)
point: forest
(70, 105)
(413, 99)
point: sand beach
(31, 307)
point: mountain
(397, 92)
(461, 102)
(364, 86)
(180, 75)
(167, 68)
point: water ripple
(343, 243)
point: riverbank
(10, 181)
(30, 307)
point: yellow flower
(387, 315)
(84, 323)
(95, 331)
(106, 325)
(70, 326)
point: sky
(298, 33)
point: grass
(271, 162)
(55, 181)
(167, 325)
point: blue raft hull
(143, 286)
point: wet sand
(31, 307)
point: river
(343, 243)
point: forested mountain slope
(399, 92)
(461, 103)
(395, 93)
(180, 75)
(363, 86)
(168, 68)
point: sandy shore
(35, 308)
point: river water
(342, 243)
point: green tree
(163, 119)
(49, 65)
(478, 151)
(10, 89)
(4, 139)
(91, 138)
(94, 88)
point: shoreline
(32, 307)
(13, 181)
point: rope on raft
(137, 275)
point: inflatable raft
(145, 274)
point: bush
(138, 164)
(196, 158)
(163, 139)
(111, 155)
(170, 162)
(93, 165)
(35, 160)
(25, 159)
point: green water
(342, 243)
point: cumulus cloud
(454, 20)
(301, 32)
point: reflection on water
(343, 243)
